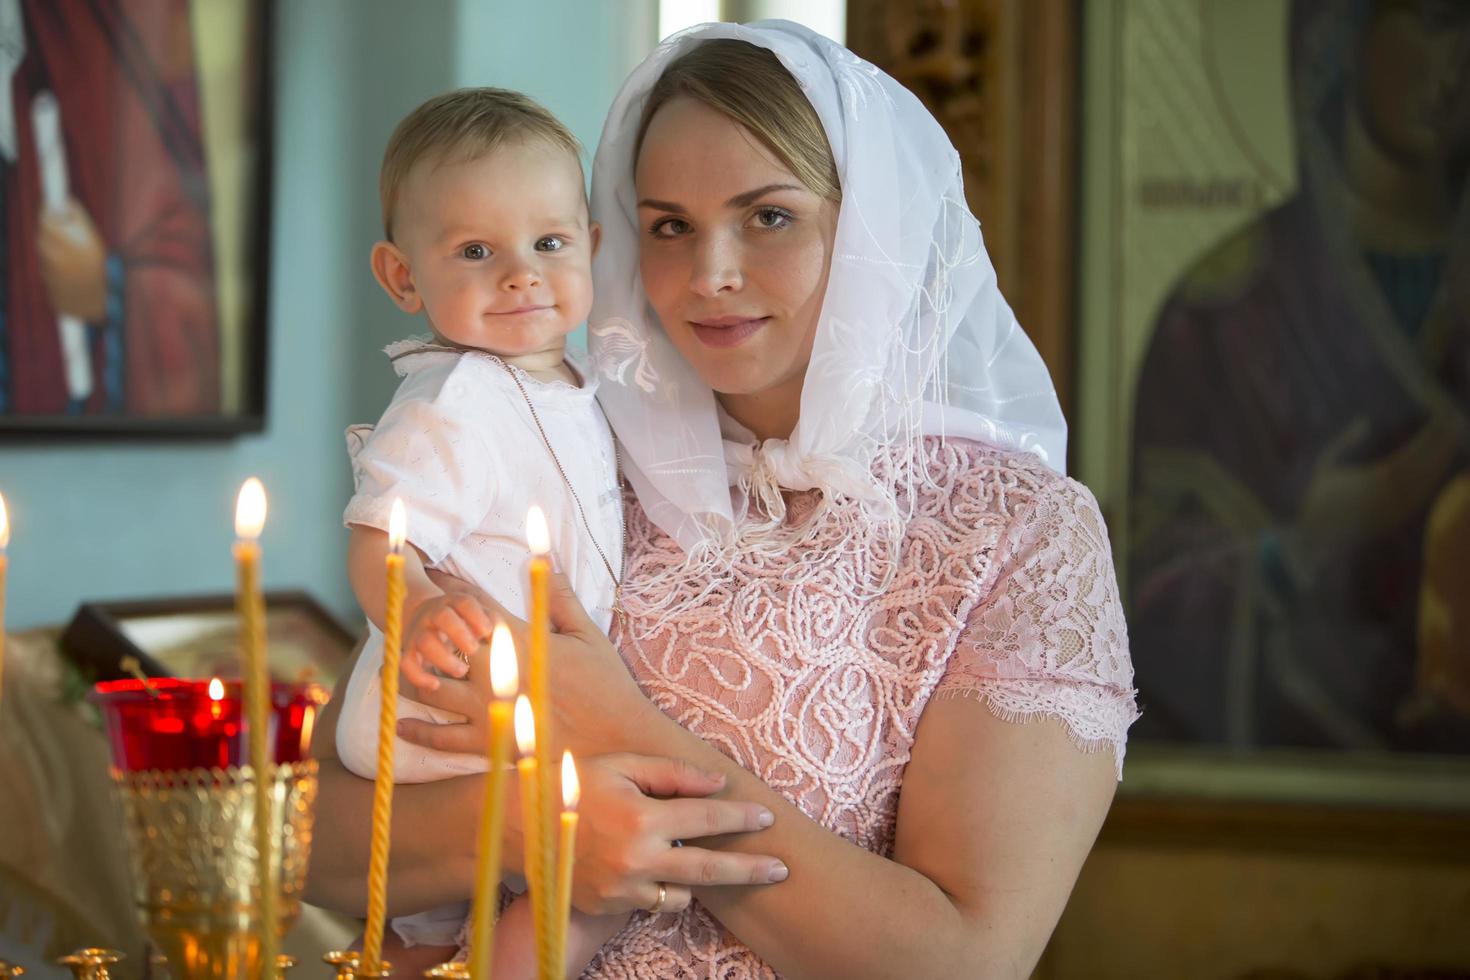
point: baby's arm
(429, 614)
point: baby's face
(500, 248)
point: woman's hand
(642, 803)
(628, 848)
(596, 705)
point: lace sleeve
(1049, 638)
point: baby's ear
(596, 230)
(390, 268)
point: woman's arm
(994, 824)
(643, 802)
(432, 855)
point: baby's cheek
(581, 291)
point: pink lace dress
(1005, 594)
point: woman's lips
(726, 331)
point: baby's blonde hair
(464, 125)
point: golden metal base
(191, 844)
(91, 963)
(344, 961)
(349, 966)
(383, 972)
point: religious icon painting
(1275, 365)
(134, 157)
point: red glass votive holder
(179, 724)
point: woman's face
(734, 250)
(1414, 79)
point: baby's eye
(475, 252)
(773, 217)
(551, 243)
(668, 227)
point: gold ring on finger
(658, 903)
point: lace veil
(914, 336)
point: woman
(849, 570)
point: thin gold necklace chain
(581, 512)
(536, 418)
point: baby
(487, 233)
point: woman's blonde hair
(749, 84)
(464, 125)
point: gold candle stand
(191, 846)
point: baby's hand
(442, 634)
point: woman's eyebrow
(741, 200)
(750, 197)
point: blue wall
(114, 520)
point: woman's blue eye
(549, 244)
(773, 217)
(669, 227)
(475, 252)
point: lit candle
(571, 792)
(504, 679)
(4, 565)
(540, 543)
(372, 943)
(250, 511)
(534, 839)
(216, 692)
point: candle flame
(525, 726)
(4, 525)
(571, 789)
(216, 689)
(536, 534)
(504, 673)
(397, 526)
(250, 510)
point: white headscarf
(914, 337)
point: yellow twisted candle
(4, 567)
(546, 796)
(532, 835)
(250, 509)
(571, 793)
(372, 943)
(504, 679)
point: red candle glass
(181, 726)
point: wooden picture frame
(134, 293)
(197, 636)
